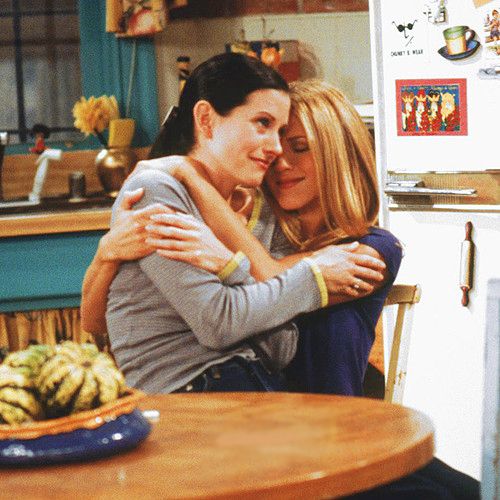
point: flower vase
(113, 165)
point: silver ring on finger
(356, 286)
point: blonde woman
(325, 191)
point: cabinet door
(46, 271)
(446, 360)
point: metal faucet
(41, 172)
(4, 140)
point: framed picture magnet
(431, 107)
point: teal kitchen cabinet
(44, 271)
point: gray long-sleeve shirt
(168, 321)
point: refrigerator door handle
(417, 188)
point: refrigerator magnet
(405, 30)
(491, 41)
(491, 29)
(459, 43)
(431, 107)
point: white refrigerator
(436, 81)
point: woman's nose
(281, 164)
(273, 145)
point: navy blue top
(335, 342)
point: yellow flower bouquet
(116, 160)
(93, 115)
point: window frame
(17, 14)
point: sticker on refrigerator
(406, 45)
(431, 107)
(404, 25)
(436, 12)
(491, 26)
(491, 41)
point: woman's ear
(203, 114)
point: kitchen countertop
(94, 219)
(17, 175)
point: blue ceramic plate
(472, 46)
(122, 433)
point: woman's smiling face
(292, 179)
(247, 140)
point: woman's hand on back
(183, 237)
(347, 272)
(126, 238)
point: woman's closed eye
(299, 145)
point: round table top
(246, 445)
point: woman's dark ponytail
(225, 81)
(168, 137)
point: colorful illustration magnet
(491, 42)
(431, 107)
(491, 28)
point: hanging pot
(113, 166)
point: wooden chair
(405, 297)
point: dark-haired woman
(173, 326)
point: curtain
(19, 329)
(106, 62)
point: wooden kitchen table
(246, 445)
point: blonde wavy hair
(342, 149)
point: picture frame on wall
(431, 107)
(132, 18)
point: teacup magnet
(460, 43)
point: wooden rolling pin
(466, 264)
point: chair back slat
(407, 294)
(405, 297)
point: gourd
(18, 395)
(18, 401)
(78, 377)
(31, 358)
(47, 382)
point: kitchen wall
(333, 46)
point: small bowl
(87, 435)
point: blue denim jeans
(236, 375)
